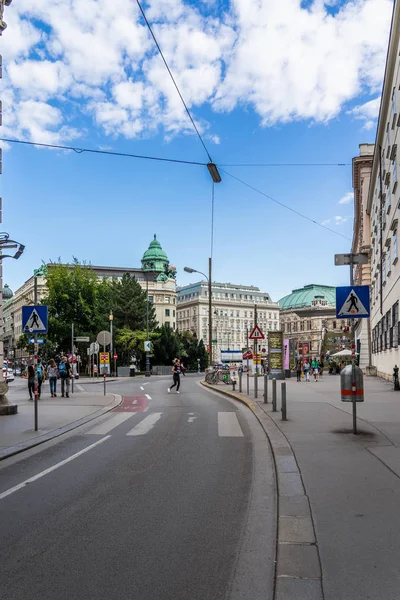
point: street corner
(135, 403)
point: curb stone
(298, 567)
(50, 435)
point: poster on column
(286, 359)
(275, 352)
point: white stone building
(383, 209)
(233, 313)
(362, 167)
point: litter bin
(132, 371)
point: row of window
(168, 312)
(385, 334)
(167, 300)
(225, 295)
(388, 259)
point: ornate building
(233, 314)
(308, 316)
(156, 276)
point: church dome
(7, 293)
(154, 259)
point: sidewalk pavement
(352, 484)
(55, 416)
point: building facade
(156, 277)
(362, 168)
(308, 316)
(233, 314)
(383, 210)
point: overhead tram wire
(109, 152)
(173, 81)
(296, 212)
(286, 165)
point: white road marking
(148, 397)
(142, 388)
(228, 425)
(144, 426)
(110, 424)
(50, 469)
(146, 383)
(80, 388)
(134, 402)
(191, 419)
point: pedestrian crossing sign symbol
(352, 302)
(34, 319)
(256, 333)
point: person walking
(321, 367)
(40, 376)
(31, 382)
(298, 370)
(315, 368)
(176, 374)
(64, 369)
(306, 368)
(52, 374)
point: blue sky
(302, 87)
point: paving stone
(294, 506)
(296, 529)
(298, 560)
(286, 464)
(298, 589)
(290, 484)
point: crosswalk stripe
(144, 426)
(228, 425)
(110, 424)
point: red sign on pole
(115, 356)
(256, 333)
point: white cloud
(326, 222)
(95, 58)
(340, 220)
(347, 198)
(367, 112)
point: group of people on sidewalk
(52, 372)
(304, 369)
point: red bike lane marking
(132, 404)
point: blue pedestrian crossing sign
(352, 302)
(34, 319)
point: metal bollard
(255, 385)
(248, 382)
(240, 381)
(283, 397)
(233, 386)
(274, 395)
(265, 389)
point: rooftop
(304, 297)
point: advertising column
(276, 355)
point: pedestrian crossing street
(227, 423)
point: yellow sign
(104, 358)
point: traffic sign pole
(255, 356)
(72, 354)
(35, 354)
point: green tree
(130, 343)
(129, 305)
(75, 295)
(167, 347)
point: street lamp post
(6, 244)
(209, 280)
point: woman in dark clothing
(31, 381)
(176, 373)
(298, 370)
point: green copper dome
(155, 259)
(305, 296)
(7, 293)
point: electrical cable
(126, 154)
(173, 80)
(296, 212)
(287, 165)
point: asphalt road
(168, 497)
